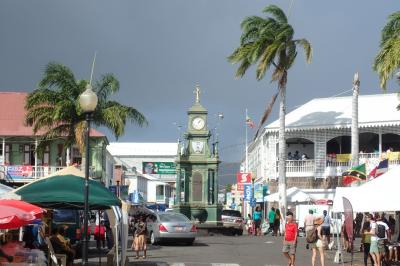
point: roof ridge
(360, 95)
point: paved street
(230, 251)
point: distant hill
(227, 173)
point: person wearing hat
(290, 239)
(319, 244)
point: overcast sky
(160, 49)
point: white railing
(299, 166)
(28, 173)
(368, 155)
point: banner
(160, 168)
(20, 171)
(248, 192)
(348, 220)
(244, 178)
(258, 192)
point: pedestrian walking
(290, 239)
(383, 234)
(100, 235)
(319, 243)
(139, 241)
(277, 223)
(271, 219)
(309, 224)
(326, 227)
(257, 216)
(366, 242)
(373, 251)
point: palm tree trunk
(282, 152)
(354, 123)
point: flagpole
(247, 148)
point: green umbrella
(67, 191)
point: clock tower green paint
(197, 169)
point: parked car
(170, 226)
(233, 221)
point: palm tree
(387, 61)
(53, 108)
(269, 42)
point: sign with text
(161, 168)
(244, 178)
(20, 171)
(258, 192)
(248, 192)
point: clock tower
(197, 166)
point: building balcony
(335, 165)
(29, 173)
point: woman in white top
(373, 250)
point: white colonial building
(320, 132)
(148, 168)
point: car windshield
(231, 213)
(64, 216)
(173, 217)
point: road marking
(224, 264)
(269, 242)
(178, 264)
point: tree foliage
(387, 61)
(53, 108)
(268, 42)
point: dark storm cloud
(159, 50)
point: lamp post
(88, 103)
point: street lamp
(88, 103)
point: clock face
(198, 123)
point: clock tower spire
(197, 168)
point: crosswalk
(200, 264)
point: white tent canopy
(293, 195)
(378, 195)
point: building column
(380, 142)
(36, 158)
(165, 195)
(215, 189)
(68, 159)
(4, 151)
(178, 187)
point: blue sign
(248, 192)
(253, 202)
(233, 206)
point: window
(46, 155)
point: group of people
(377, 239)
(255, 221)
(297, 156)
(317, 236)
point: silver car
(170, 226)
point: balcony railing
(28, 173)
(335, 166)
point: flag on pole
(357, 173)
(250, 122)
(380, 169)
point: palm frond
(392, 28)
(308, 51)
(106, 86)
(59, 77)
(277, 13)
(266, 113)
(387, 62)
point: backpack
(380, 231)
(311, 236)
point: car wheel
(153, 239)
(239, 232)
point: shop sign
(160, 168)
(20, 171)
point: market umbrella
(67, 191)
(22, 205)
(11, 217)
(293, 195)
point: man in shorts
(290, 239)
